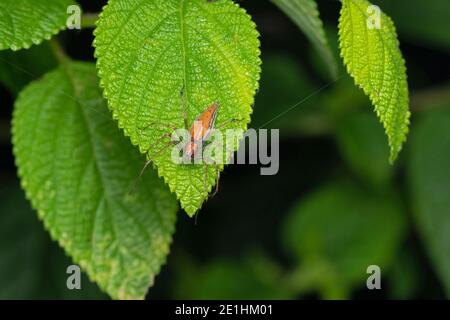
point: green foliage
(319, 65)
(434, 25)
(252, 277)
(148, 51)
(19, 68)
(27, 22)
(406, 275)
(77, 169)
(337, 231)
(305, 14)
(81, 173)
(429, 172)
(362, 144)
(374, 60)
(282, 80)
(31, 266)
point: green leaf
(17, 69)
(305, 15)
(362, 143)
(429, 173)
(27, 22)
(252, 277)
(337, 230)
(77, 169)
(317, 62)
(149, 50)
(282, 80)
(374, 60)
(31, 265)
(406, 275)
(433, 16)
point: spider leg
(217, 180)
(223, 124)
(147, 163)
(154, 123)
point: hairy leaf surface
(77, 169)
(374, 60)
(27, 22)
(148, 51)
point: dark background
(243, 223)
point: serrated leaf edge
(134, 142)
(66, 245)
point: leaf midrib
(397, 80)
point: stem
(88, 20)
(58, 51)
